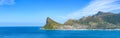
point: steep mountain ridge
(101, 20)
(50, 24)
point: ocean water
(35, 32)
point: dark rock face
(50, 24)
(101, 20)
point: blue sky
(35, 12)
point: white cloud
(7, 2)
(93, 7)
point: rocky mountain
(50, 24)
(101, 20)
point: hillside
(101, 20)
(50, 24)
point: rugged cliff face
(50, 24)
(101, 20)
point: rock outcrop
(50, 24)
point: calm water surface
(35, 32)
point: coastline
(82, 29)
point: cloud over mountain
(93, 7)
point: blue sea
(36, 32)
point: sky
(35, 12)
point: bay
(36, 32)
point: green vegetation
(101, 20)
(50, 24)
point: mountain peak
(51, 24)
(49, 19)
(99, 13)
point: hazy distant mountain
(101, 20)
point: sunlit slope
(50, 24)
(101, 20)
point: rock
(50, 24)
